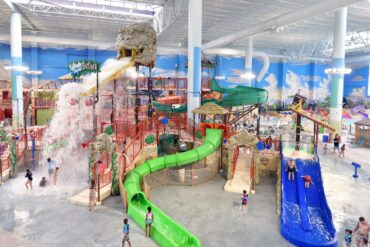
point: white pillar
(194, 55)
(338, 55)
(249, 60)
(16, 60)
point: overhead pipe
(266, 64)
(275, 23)
(358, 60)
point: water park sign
(83, 67)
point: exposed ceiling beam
(14, 8)
(170, 12)
(83, 43)
(278, 22)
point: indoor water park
(184, 123)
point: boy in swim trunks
(291, 169)
(126, 231)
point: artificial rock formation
(138, 41)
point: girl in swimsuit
(149, 217)
(307, 181)
(29, 179)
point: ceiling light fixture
(248, 76)
(219, 77)
(342, 71)
(18, 68)
(34, 72)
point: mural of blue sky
(281, 80)
(357, 85)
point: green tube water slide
(236, 96)
(165, 231)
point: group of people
(291, 169)
(360, 234)
(149, 218)
(336, 142)
(53, 171)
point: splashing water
(73, 117)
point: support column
(249, 60)
(194, 54)
(16, 60)
(338, 55)
(281, 82)
(34, 64)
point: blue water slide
(305, 219)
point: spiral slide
(165, 231)
(305, 218)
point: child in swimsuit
(348, 237)
(126, 231)
(29, 178)
(307, 181)
(291, 169)
(342, 149)
(244, 198)
(149, 217)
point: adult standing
(336, 143)
(362, 231)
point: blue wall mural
(356, 85)
(282, 80)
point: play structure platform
(316, 121)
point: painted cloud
(235, 77)
(4, 74)
(272, 88)
(159, 72)
(295, 84)
(322, 90)
(358, 93)
(358, 78)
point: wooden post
(137, 98)
(150, 91)
(258, 121)
(1, 170)
(222, 147)
(193, 129)
(98, 186)
(298, 131)
(192, 175)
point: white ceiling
(220, 17)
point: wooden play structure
(296, 107)
(362, 132)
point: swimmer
(291, 169)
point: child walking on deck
(342, 149)
(244, 198)
(126, 231)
